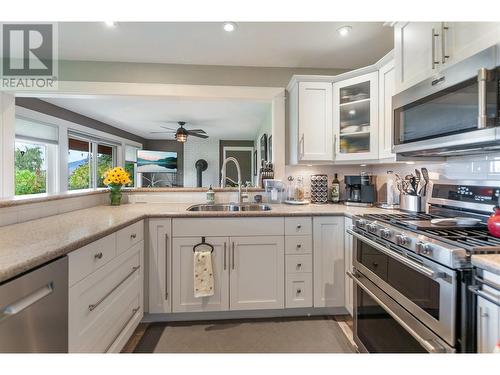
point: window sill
(45, 197)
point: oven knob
(360, 223)
(372, 228)
(402, 239)
(423, 248)
(386, 233)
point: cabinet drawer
(100, 304)
(299, 290)
(298, 244)
(91, 257)
(298, 225)
(129, 236)
(298, 263)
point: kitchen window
(131, 163)
(35, 157)
(88, 160)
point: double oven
(403, 302)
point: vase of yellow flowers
(115, 179)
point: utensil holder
(411, 203)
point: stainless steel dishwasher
(34, 310)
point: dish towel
(203, 272)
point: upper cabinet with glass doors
(355, 118)
(422, 49)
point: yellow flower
(117, 175)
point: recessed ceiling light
(110, 23)
(229, 26)
(344, 30)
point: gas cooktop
(451, 247)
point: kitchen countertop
(487, 262)
(27, 245)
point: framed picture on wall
(255, 163)
(270, 148)
(263, 147)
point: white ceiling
(223, 119)
(271, 44)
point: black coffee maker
(360, 190)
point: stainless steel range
(411, 273)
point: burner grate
(395, 218)
(474, 240)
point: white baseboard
(251, 314)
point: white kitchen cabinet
(159, 260)
(355, 118)
(416, 48)
(387, 88)
(460, 40)
(310, 122)
(488, 315)
(488, 329)
(257, 273)
(183, 278)
(422, 49)
(105, 307)
(329, 267)
(348, 250)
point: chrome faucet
(224, 177)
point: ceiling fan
(182, 133)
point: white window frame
(61, 184)
(51, 156)
(94, 145)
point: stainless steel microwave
(454, 113)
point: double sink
(231, 207)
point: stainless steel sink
(229, 207)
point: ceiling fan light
(181, 138)
(181, 135)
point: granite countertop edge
(487, 262)
(12, 241)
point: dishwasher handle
(26, 302)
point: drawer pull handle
(299, 226)
(133, 236)
(299, 246)
(134, 311)
(98, 255)
(299, 291)
(299, 265)
(93, 306)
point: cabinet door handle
(444, 30)
(434, 62)
(134, 311)
(232, 256)
(98, 255)
(299, 246)
(93, 306)
(301, 147)
(225, 246)
(166, 266)
(133, 236)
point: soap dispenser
(211, 195)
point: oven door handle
(400, 258)
(430, 345)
